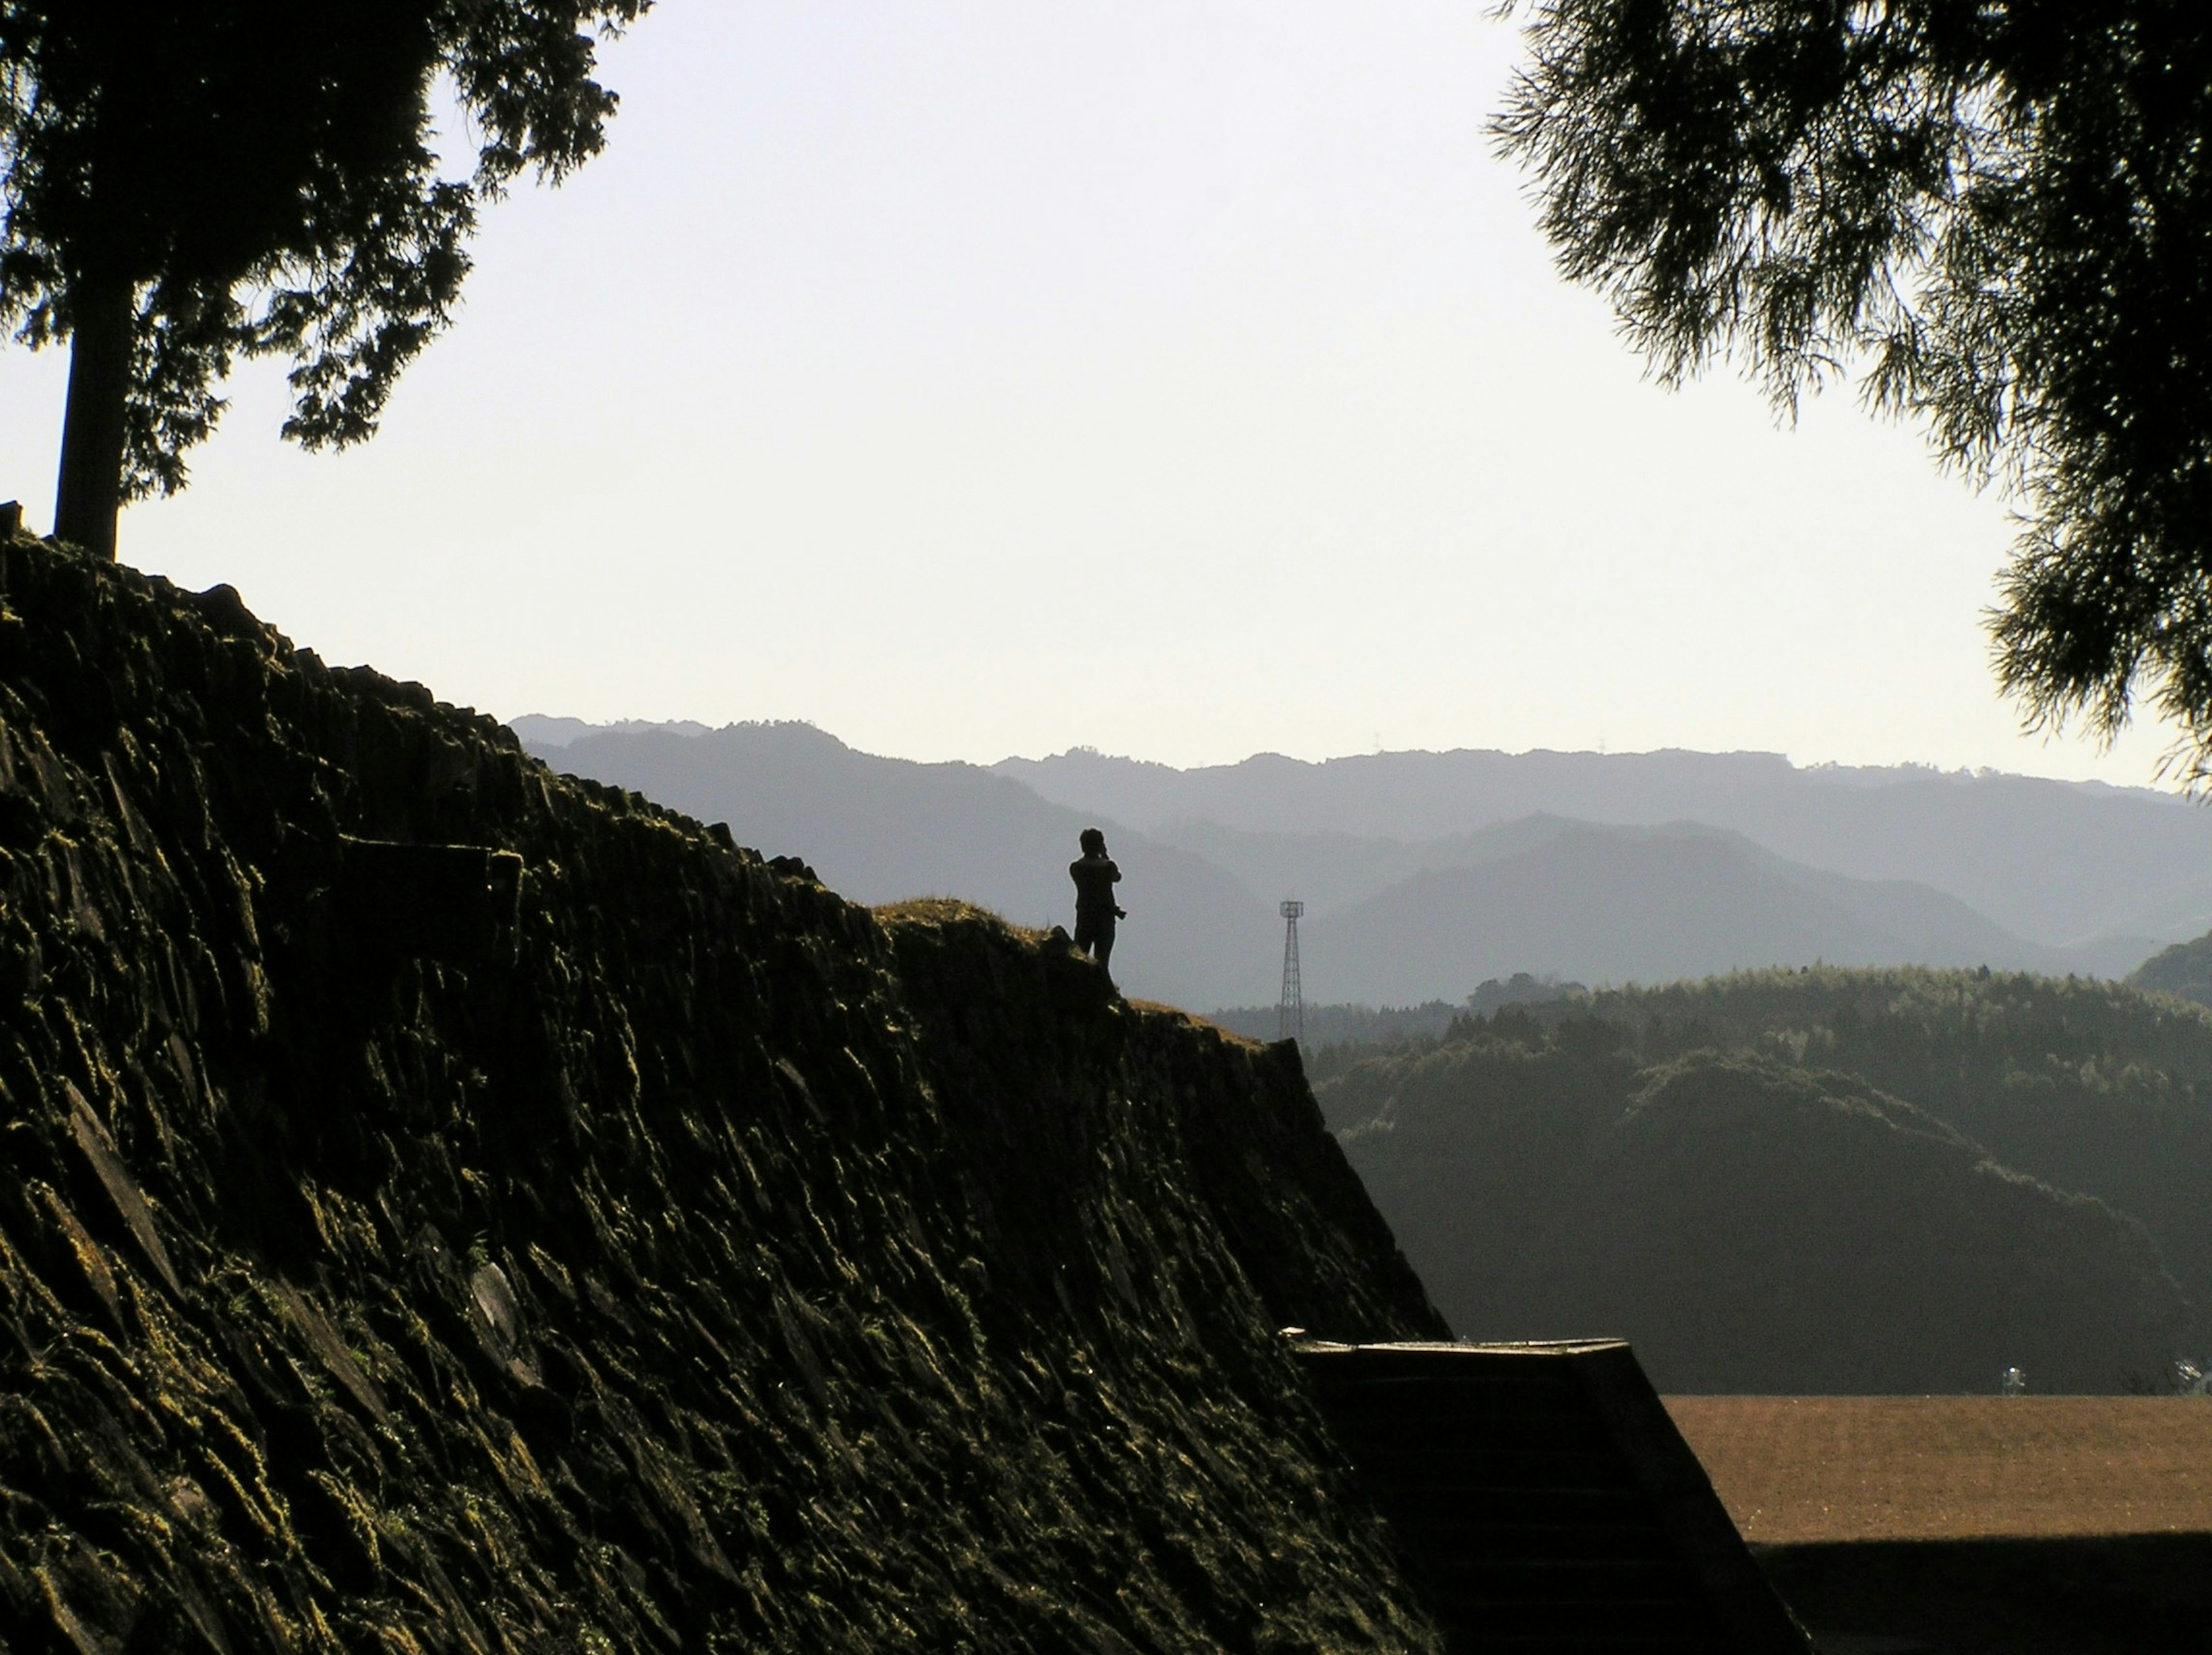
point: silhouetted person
(1095, 877)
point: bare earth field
(1798, 1469)
(1972, 1526)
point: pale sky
(1182, 380)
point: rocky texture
(593, 1238)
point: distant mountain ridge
(1610, 904)
(1534, 893)
(884, 830)
(1391, 919)
(2057, 863)
(540, 731)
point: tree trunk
(90, 490)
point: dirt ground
(1798, 1469)
(1973, 1525)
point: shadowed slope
(2087, 1086)
(608, 1242)
(1752, 1225)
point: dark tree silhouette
(1999, 211)
(192, 182)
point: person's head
(1094, 842)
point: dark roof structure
(1540, 1498)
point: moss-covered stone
(600, 1239)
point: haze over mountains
(1426, 874)
(882, 830)
(2057, 863)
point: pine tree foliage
(1997, 212)
(257, 176)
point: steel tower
(1290, 1013)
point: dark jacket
(1094, 878)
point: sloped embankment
(613, 1242)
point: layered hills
(1615, 905)
(2056, 863)
(885, 830)
(1813, 1181)
(1400, 916)
(452, 1208)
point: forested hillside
(1815, 1180)
(2185, 969)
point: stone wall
(593, 1238)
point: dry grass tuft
(943, 913)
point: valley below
(456, 1206)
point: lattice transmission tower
(1291, 1013)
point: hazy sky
(1184, 380)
